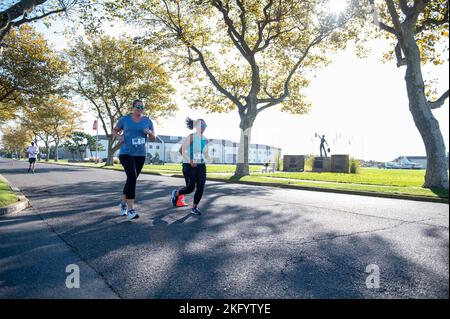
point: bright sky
(359, 104)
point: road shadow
(231, 251)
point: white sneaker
(132, 214)
(123, 209)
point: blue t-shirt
(134, 136)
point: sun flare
(337, 6)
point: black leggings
(132, 166)
(194, 176)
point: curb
(298, 187)
(22, 201)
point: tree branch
(398, 54)
(395, 19)
(235, 36)
(439, 102)
(404, 7)
(273, 102)
(433, 22)
(242, 17)
(27, 20)
(416, 10)
(262, 25)
(387, 28)
(213, 79)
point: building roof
(417, 157)
(169, 139)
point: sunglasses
(139, 107)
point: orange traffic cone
(181, 202)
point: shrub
(278, 162)
(309, 160)
(355, 166)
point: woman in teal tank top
(194, 150)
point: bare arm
(206, 153)
(184, 146)
(116, 133)
(150, 134)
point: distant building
(166, 148)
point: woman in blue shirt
(135, 128)
(194, 150)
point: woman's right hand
(193, 164)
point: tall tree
(15, 139)
(111, 73)
(27, 11)
(79, 142)
(64, 120)
(29, 69)
(244, 55)
(52, 119)
(418, 28)
(93, 145)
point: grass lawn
(390, 181)
(7, 196)
(369, 176)
(212, 168)
(399, 190)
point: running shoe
(174, 198)
(132, 214)
(123, 208)
(195, 211)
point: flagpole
(96, 144)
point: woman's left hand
(151, 135)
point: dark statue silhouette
(323, 151)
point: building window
(150, 146)
(157, 147)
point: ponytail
(190, 123)
(200, 123)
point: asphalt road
(251, 242)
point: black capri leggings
(194, 176)
(132, 166)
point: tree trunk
(436, 175)
(110, 159)
(56, 151)
(242, 167)
(47, 152)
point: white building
(166, 148)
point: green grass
(405, 182)
(212, 168)
(369, 176)
(399, 190)
(7, 196)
